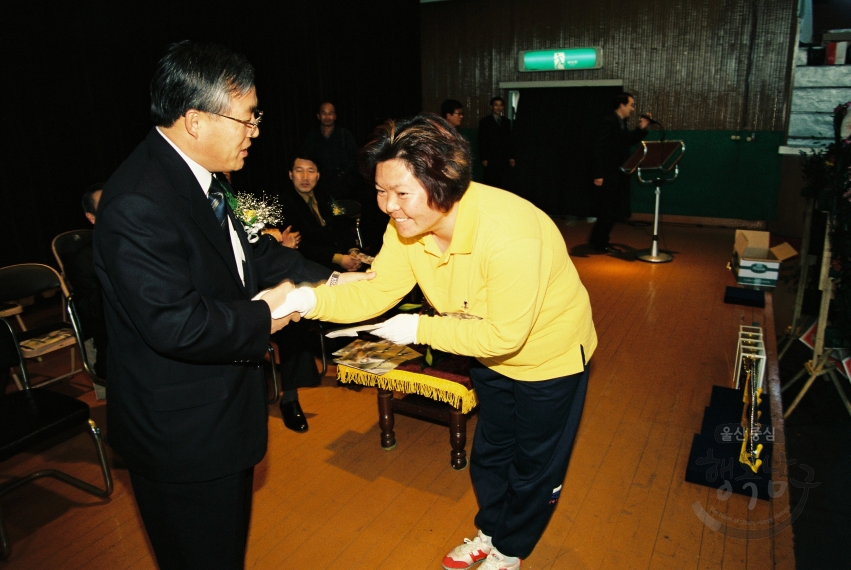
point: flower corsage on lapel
(255, 213)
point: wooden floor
(332, 498)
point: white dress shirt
(204, 179)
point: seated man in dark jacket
(298, 368)
(88, 296)
(308, 209)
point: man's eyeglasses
(252, 125)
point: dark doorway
(554, 143)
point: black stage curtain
(554, 138)
(77, 78)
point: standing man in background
(335, 148)
(453, 112)
(611, 149)
(496, 149)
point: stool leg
(458, 439)
(386, 419)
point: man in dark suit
(611, 149)
(336, 148)
(309, 210)
(453, 111)
(186, 408)
(496, 149)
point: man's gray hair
(197, 76)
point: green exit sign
(561, 59)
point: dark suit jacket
(186, 402)
(88, 298)
(611, 149)
(612, 144)
(495, 143)
(318, 243)
(338, 155)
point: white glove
(401, 329)
(302, 300)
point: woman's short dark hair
(434, 152)
(197, 76)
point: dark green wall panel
(720, 177)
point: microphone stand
(662, 132)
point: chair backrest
(28, 279)
(68, 244)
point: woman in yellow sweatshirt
(497, 272)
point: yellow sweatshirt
(507, 264)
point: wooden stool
(442, 393)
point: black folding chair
(66, 249)
(28, 280)
(30, 417)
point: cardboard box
(754, 263)
(836, 52)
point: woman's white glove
(401, 329)
(302, 301)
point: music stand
(657, 159)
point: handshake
(289, 303)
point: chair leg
(322, 350)
(17, 381)
(5, 547)
(276, 385)
(94, 431)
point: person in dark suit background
(88, 296)
(453, 111)
(496, 149)
(325, 239)
(611, 149)
(186, 408)
(297, 365)
(335, 147)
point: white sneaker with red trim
(498, 561)
(471, 552)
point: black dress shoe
(293, 416)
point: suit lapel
(186, 187)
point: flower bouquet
(255, 213)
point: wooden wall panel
(696, 64)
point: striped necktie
(217, 201)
